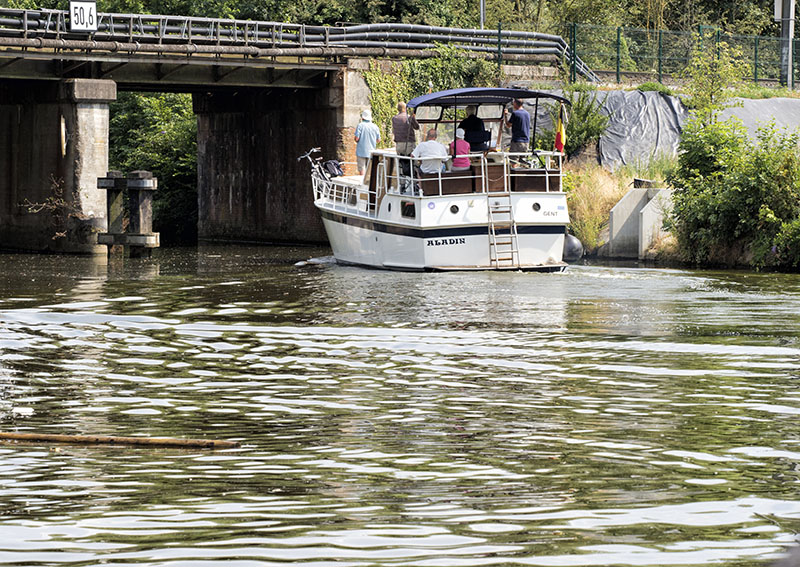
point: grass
(591, 194)
(655, 86)
(754, 91)
(580, 87)
(745, 89)
(656, 169)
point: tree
(158, 133)
(713, 70)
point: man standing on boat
(403, 126)
(432, 149)
(520, 123)
(367, 137)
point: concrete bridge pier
(53, 147)
(250, 185)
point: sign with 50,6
(83, 16)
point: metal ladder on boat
(503, 240)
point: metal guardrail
(222, 33)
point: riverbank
(736, 175)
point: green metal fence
(658, 54)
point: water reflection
(601, 416)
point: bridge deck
(185, 51)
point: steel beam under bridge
(156, 73)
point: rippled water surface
(603, 416)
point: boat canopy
(478, 96)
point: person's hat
(366, 114)
(460, 133)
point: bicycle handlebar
(307, 155)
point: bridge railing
(177, 30)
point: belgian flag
(561, 129)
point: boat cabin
(480, 113)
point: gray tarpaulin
(757, 113)
(641, 126)
(644, 125)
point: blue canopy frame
(482, 95)
(478, 96)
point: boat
(507, 211)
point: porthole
(536, 206)
(390, 207)
(454, 209)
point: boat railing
(492, 172)
(340, 195)
(404, 175)
(390, 173)
(348, 193)
(536, 171)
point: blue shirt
(368, 136)
(520, 126)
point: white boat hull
(370, 241)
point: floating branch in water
(114, 440)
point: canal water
(602, 416)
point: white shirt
(430, 149)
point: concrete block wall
(651, 218)
(636, 222)
(623, 232)
(250, 185)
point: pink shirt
(462, 149)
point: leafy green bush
(449, 70)
(787, 245)
(734, 194)
(711, 76)
(580, 87)
(657, 87)
(385, 90)
(736, 200)
(586, 124)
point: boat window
(490, 111)
(428, 113)
(407, 209)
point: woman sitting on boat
(460, 149)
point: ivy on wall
(402, 81)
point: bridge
(263, 92)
